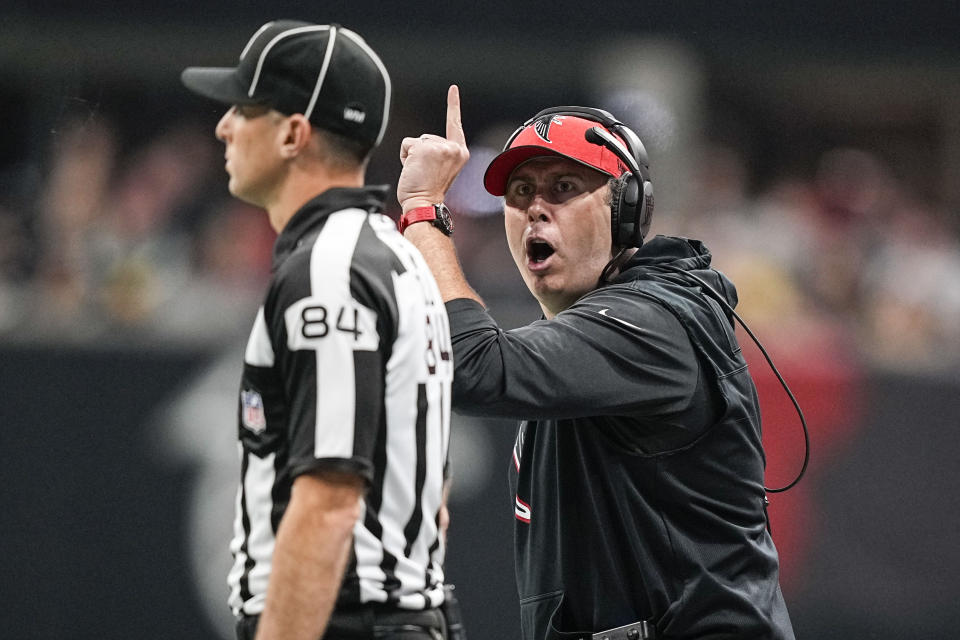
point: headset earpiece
(646, 215)
(624, 197)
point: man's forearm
(310, 556)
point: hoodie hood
(663, 256)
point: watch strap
(419, 214)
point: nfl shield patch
(251, 411)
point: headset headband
(602, 117)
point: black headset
(630, 213)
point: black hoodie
(638, 466)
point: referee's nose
(223, 127)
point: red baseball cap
(552, 135)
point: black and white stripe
(351, 356)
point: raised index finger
(454, 125)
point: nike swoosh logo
(604, 313)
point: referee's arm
(310, 557)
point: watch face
(444, 220)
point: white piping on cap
(276, 39)
(386, 79)
(323, 72)
(243, 53)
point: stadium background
(814, 147)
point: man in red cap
(638, 466)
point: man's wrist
(417, 202)
(437, 214)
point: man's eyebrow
(565, 173)
(520, 178)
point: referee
(344, 405)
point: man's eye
(564, 186)
(522, 189)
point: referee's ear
(295, 135)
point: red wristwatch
(438, 215)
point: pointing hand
(431, 162)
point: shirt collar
(370, 198)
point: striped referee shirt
(348, 367)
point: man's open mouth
(538, 251)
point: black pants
(369, 623)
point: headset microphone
(596, 135)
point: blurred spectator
(911, 295)
(15, 249)
(141, 249)
(81, 161)
(849, 251)
(125, 238)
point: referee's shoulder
(296, 262)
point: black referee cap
(326, 72)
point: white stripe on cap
(276, 39)
(386, 79)
(243, 53)
(323, 71)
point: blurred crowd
(115, 243)
(848, 258)
(129, 244)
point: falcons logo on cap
(542, 126)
